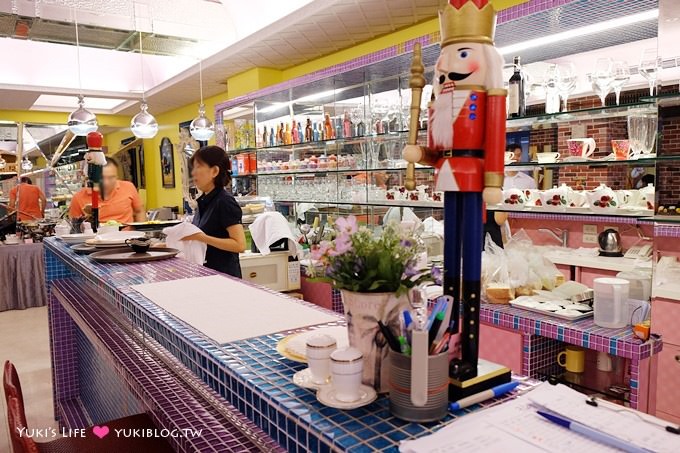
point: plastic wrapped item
(496, 287)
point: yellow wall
(238, 85)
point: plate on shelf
(561, 309)
(78, 238)
(326, 396)
(84, 249)
(126, 255)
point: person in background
(32, 200)
(517, 179)
(218, 215)
(119, 199)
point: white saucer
(326, 396)
(12, 243)
(303, 379)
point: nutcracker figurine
(95, 163)
(465, 145)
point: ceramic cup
(139, 245)
(604, 362)
(61, 230)
(347, 366)
(573, 359)
(547, 158)
(318, 351)
(581, 147)
(509, 157)
(621, 149)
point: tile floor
(24, 339)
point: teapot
(514, 199)
(556, 199)
(647, 196)
(602, 199)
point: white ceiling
(238, 35)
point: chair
(16, 417)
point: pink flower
(347, 224)
(343, 244)
(321, 250)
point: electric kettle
(610, 243)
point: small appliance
(610, 243)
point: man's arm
(139, 213)
(43, 203)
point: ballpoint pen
(593, 434)
(389, 337)
(483, 396)
(434, 328)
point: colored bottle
(516, 101)
(309, 134)
(287, 136)
(301, 135)
(272, 137)
(346, 125)
(295, 137)
(315, 134)
(328, 128)
(279, 135)
(265, 137)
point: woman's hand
(201, 237)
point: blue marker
(483, 396)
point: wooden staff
(417, 83)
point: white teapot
(602, 199)
(514, 199)
(647, 196)
(557, 198)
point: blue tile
(365, 433)
(379, 443)
(413, 429)
(397, 436)
(361, 449)
(382, 427)
(347, 441)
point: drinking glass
(650, 65)
(602, 78)
(566, 81)
(642, 130)
(552, 96)
(621, 74)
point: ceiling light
(580, 32)
(143, 124)
(81, 121)
(201, 128)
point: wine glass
(602, 78)
(621, 74)
(552, 97)
(566, 81)
(650, 65)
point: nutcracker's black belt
(478, 153)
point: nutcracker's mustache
(453, 76)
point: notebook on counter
(515, 426)
(226, 310)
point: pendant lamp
(201, 128)
(81, 121)
(143, 124)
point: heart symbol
(100, 431)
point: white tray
(553, 314)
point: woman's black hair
(214, 156)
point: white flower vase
(363, 311)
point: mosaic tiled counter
(543, 337)
(101, 330)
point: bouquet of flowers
(359, 260)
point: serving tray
(125, 255)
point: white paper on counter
(227, 310)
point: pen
(434, 328)
(441, 344)
(483, 396)
(404, 347)
(593, 434)
(436, 309)
(389, 337)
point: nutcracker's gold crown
(467, 24)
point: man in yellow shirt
(120, 200)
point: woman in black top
(219, 215)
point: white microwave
(273, 271)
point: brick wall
(668, 173)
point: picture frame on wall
(167, 163)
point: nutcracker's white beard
(441, 121)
